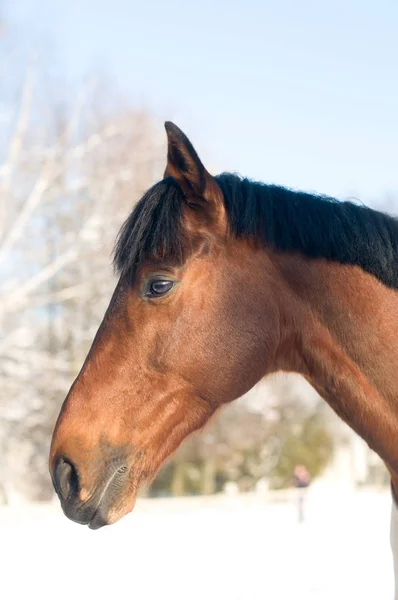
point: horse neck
(343, 338)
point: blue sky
(300, 93)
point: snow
(237, 548)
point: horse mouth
(97, 520)
(112, 494)
(105, 513)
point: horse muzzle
(97, 508)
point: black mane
(282, 219)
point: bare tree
(66, 184)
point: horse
(221, 282)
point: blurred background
(300, 94)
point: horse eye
(160, 287)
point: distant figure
(302, 481)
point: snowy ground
(213, 549)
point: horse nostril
(66, 479)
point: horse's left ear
(185, 166)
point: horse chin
(121, 511)
(108, 516)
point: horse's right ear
(184, 165)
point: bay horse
(222, 281)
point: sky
(302, 94)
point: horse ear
(185, 166)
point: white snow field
(238, 548)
